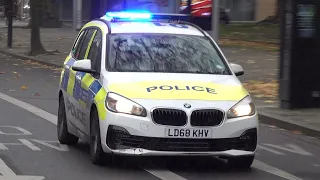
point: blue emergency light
(144, 16)
(129, 15)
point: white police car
(138, 84)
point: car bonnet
(166, 86)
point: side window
(85, 44)
(95, 51)
(77, 46)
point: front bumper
(130, 135)
(121, 142)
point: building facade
(240, 10)
(249, 10)
(265, 8)
(96, 8)
(66, 10)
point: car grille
(120, 139)
(209, 117)
(171, 117)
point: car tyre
(96, 151)
(64, 136)
(242, 162)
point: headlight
(120, 104)
(245, 107)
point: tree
(36, 45)
(49, 15)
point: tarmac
(258, 65)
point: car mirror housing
(237, 69)
(83, 66)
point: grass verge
(250, 35)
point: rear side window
(77, 46)
(85, 44)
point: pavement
(15, 23)
(29, 149)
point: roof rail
(105, 22)
(193, 25)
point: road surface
(29, 148)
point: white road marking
(270, 150)
(8, 174)
(3, 147)
(291, 148)
(272, 170)
(29, 144)
(162, 174)
(23, 131)
(5, 170)
(26, 106)
(22, 178)
(61, 147)
(316, 165)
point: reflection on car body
(133, 85)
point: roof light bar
(144, 16)
(171, 17)
(129, 15)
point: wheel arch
(60, 94)
(92, 108)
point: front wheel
(242, 162)
(64, 136)
(96, 151)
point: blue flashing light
(129, 15)
(144, 16)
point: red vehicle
(201, 11)
(201, 8)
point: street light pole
(215, 19)
(9, 17)
(21, 9)
(77, 13)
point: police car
(146, 84)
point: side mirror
(237, 69)
(83, 66)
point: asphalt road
(29, 147)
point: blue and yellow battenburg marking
(84, 88)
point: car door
(80, 93)
(89, 82)
(68, 79)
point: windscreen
(164, 53)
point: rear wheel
(242, 162)
(96, 151)
(64, 136)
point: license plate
(188, 133)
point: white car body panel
(145, 126)
(130, 77)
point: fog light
(245, 137)
(120, 135)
